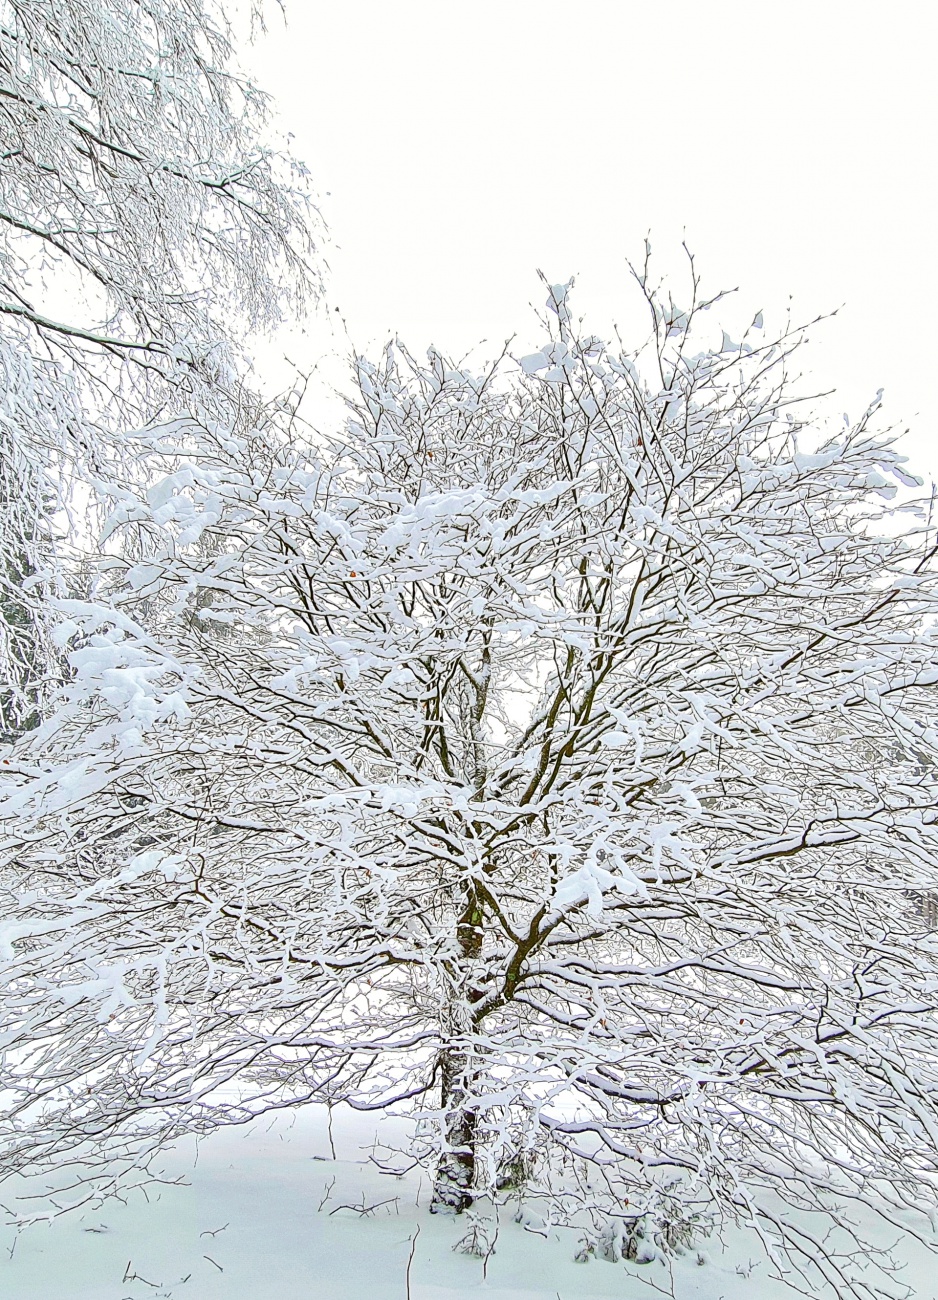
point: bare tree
(563, 778)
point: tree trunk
(455, 1173)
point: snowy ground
(262, 1219)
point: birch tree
(548, 753)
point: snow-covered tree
(144, 227)
(550, 753)
(136, 183)
(27, 499)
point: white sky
(465, 145)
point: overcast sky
(459, 147)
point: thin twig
(326, 1194)
(410, 1260)
(213, 1232)
(329, 1127)
(364, 1209)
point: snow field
(267, 1214)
